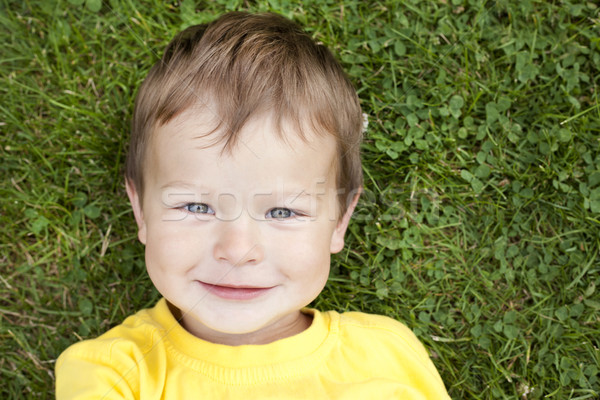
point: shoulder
(117, 355)
(379, 325)
(360, 331)
(126, 338)
(134, 331)
(381, 347)
(354, 319)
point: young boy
(243, 172)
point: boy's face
(239, 242)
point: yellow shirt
(340, 356)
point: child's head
(243, 171)
(243, 65)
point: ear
(337, 238)
(134, 199)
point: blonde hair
(242, 65)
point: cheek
(304, 258)
(169, 248)
(312, 278)
(169, 258)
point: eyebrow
(179, 184)
(303, 193)
(288, 195)
(292, 196)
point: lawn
(479, 226)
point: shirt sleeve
(85, 371)
(394, 348)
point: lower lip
(232, 293)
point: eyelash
(186, 207)
(292, 213)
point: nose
(238, 242)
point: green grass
(480, 223)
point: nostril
(249, 257)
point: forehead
(195, 139)
(204, 120)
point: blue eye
(280, 213)
(197, 208)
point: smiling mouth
(233, 292)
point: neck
(288, 326)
